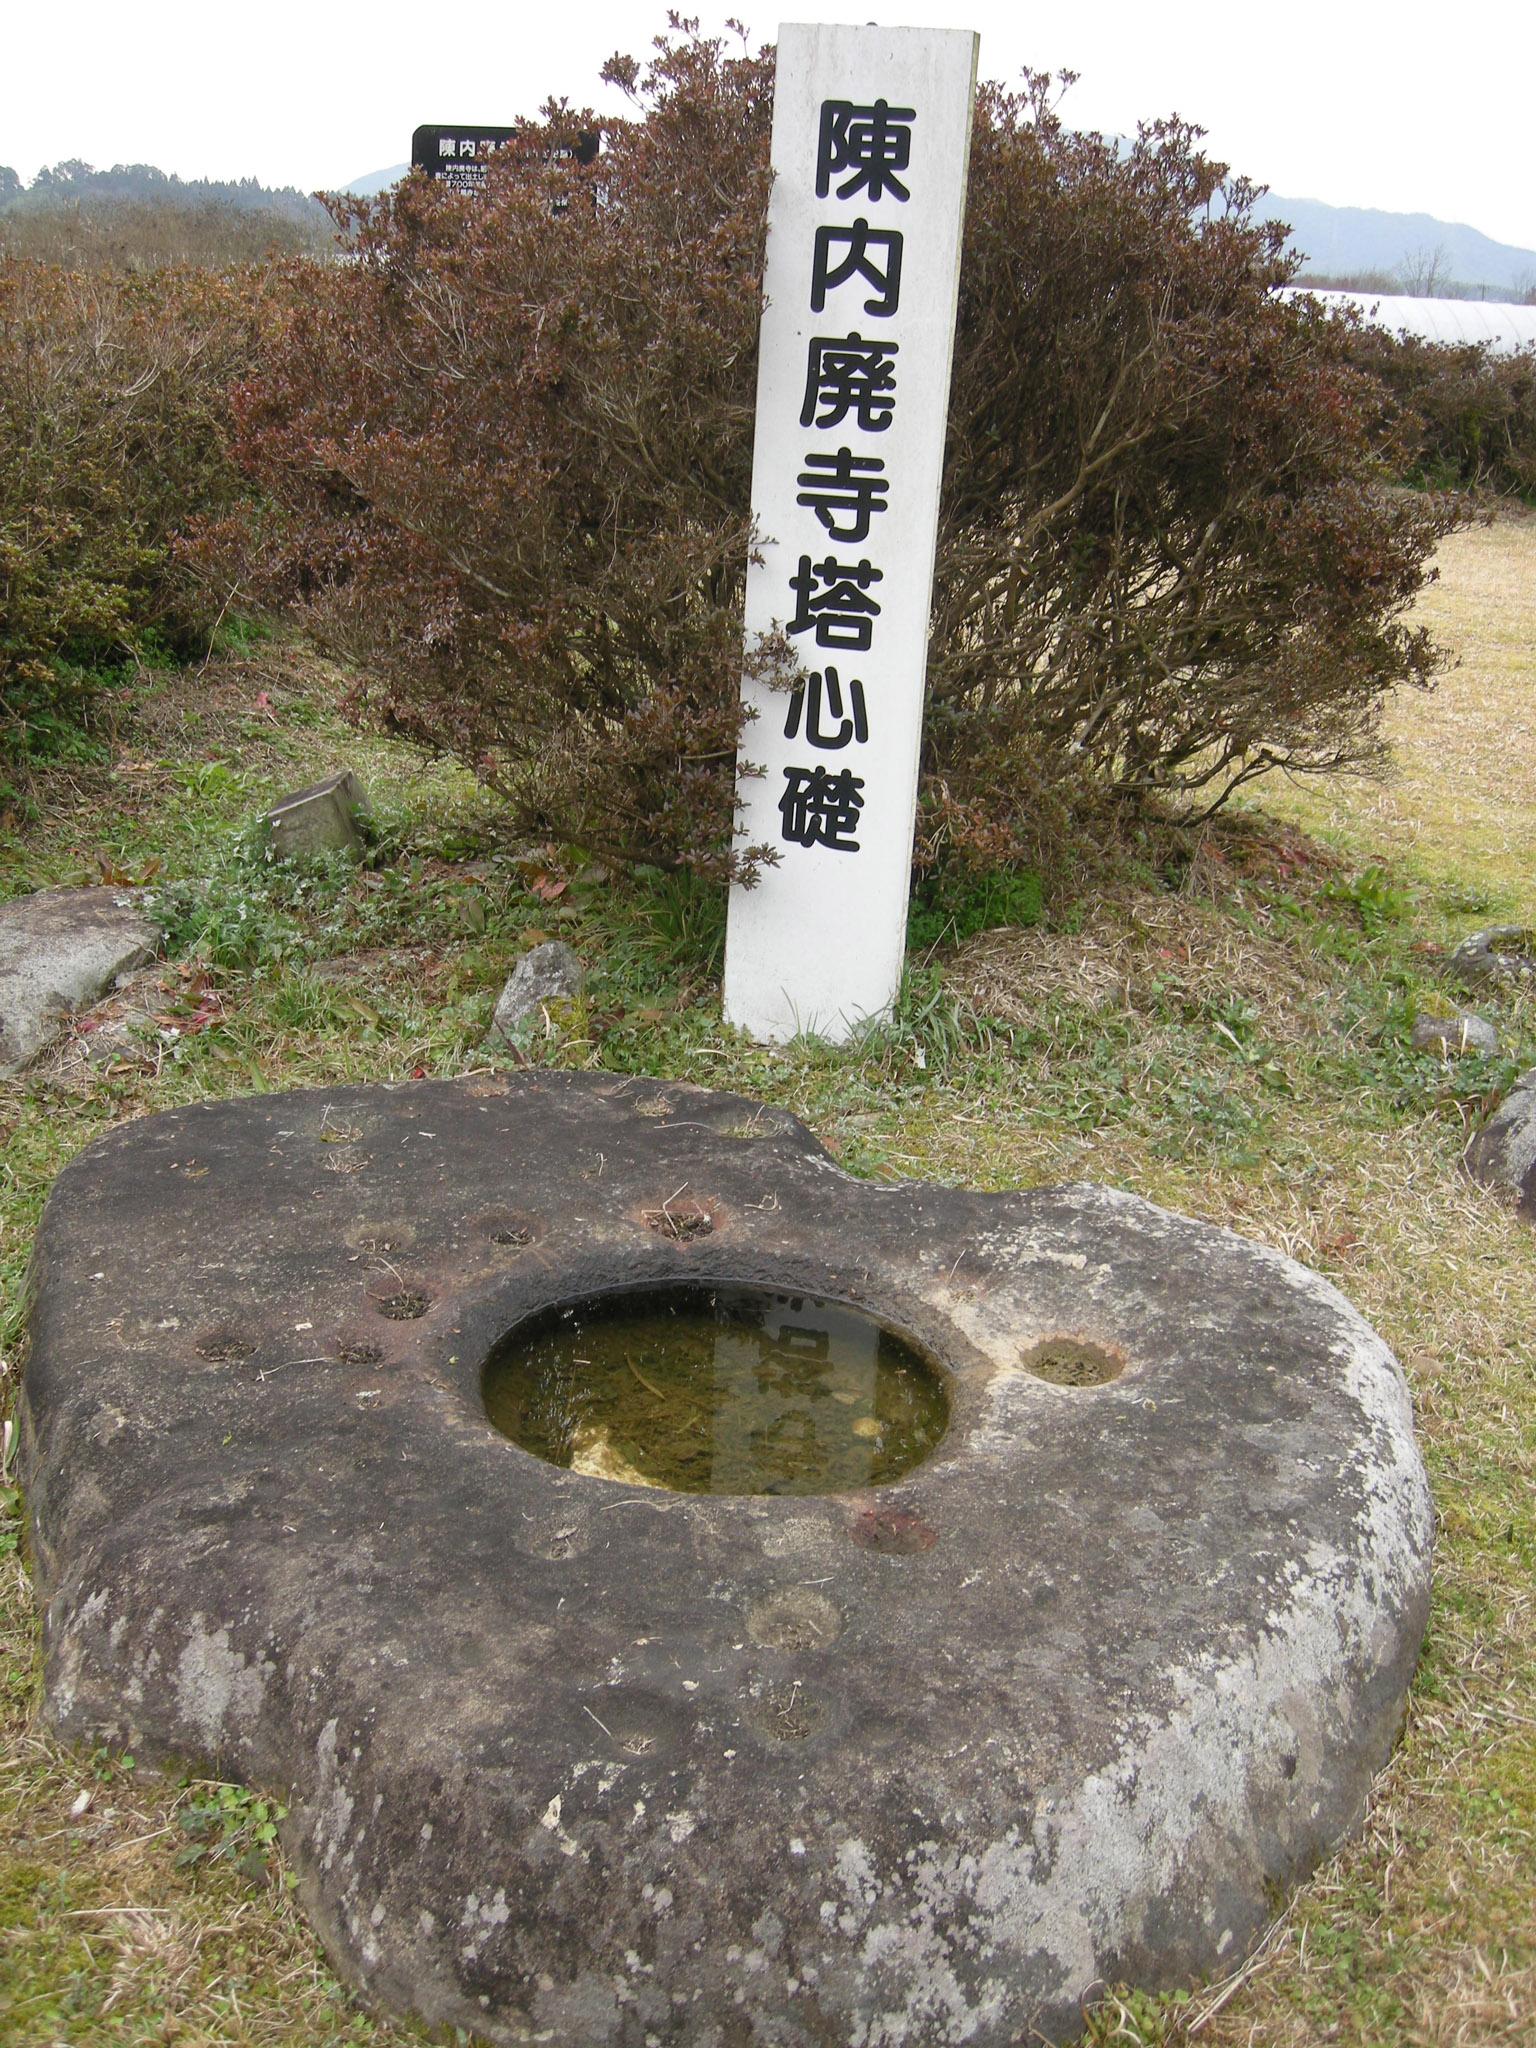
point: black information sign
(458, 151)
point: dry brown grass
(1434, 1901)
(1461, 802)
(1136, 951)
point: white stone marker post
(871, 138)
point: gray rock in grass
(1462, 1032)
(551, 973)
(1505, 952)
(1503, 1153)
(1074, 1702)
(59, 950)
(320, 819)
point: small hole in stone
(796, 1619)
(653, 1105)
(1073, 1362)
(224, 1347)
(680, 1222)
(516, 1237)
(405, 1306)
(359, 1354)
(786, 1713)
(746, 1128)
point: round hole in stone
(1073, 1362)
(405, 1306)
(513, 1235)
(717, 1388)
(786, 1713)
(798, 1618)
(680, 1222)
(761, 1123)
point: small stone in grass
(1502, 1155)
(320, 819)
(1505, 952)
(550, 973)
(1462, 1032)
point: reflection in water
(717, 1390)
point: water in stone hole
(717, 1390)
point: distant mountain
(1417, 249)
(376, 181)
(74, 183)
(136, 217)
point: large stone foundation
(573, 1761)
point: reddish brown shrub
(1469, 416)
(114, 432)
(1168, 557)
(509, 448)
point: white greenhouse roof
(1504, 328)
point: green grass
(1222, 1027)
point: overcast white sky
(1405, 107)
